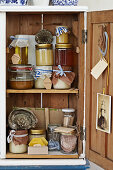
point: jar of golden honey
(61, 34)
(44, 55)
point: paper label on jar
(15, 59)
(47, 83)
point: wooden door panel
(99, 145)
(110, 136)
(97, 137)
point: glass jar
(44, 55)
(64, 54)
(37, 133)
(68, 143)
(62, 80)
(68, 117)
(53, 138)
(41, 73)
(20, 77)
(61, 34)
(18, 141)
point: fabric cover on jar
(62, 77)
(18, 141)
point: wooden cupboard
(82, 97)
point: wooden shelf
(51, 155)
(72, 91)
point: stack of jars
(44, 63)
(62, 72)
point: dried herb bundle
(22, 119)
(44, 37)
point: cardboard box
(42, 150)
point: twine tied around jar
(13, 135)
(19, 41)
(40, 73)
(61, 72)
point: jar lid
(20, 67)
(69, 134)
(38, 46)
(68, 110)
(63, 45)
(37, 131)
(67, 116)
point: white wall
(96, 5)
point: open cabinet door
(99, 145)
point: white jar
(18, 141)
(42, 72)
(17, 148)
(61, 85)
(38, 2)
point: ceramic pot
(38, 2)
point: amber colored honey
(21, 85)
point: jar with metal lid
(53, 138)
(62, 34)
(68, 143)
(64, 54)
(44, 55)
(68, 117)
(20, 77)
(18, 141)
(41, 73)
(37, 133)
(62, 77)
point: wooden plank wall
(99, 146)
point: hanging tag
(47, 83)
(15, 59)
(99, 68)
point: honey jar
(61, 34)
(44, 55)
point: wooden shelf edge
(72, 91)
(26, 156)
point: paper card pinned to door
(99, 68)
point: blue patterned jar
(13, 2)
(65, 2)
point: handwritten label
(47, 83)
(15, 59)
(99, 68)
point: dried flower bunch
(22, 119)
(44, 37)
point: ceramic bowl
(65, 2)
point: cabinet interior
(30, 24)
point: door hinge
(82, 133)
(84, 36)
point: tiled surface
(95, 167)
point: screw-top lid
(68, 110)
(63, 46)
(41, 46)
(37, 131)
